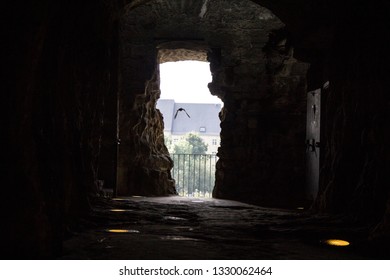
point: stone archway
(255, 74)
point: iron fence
(194, 174)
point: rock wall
(261, 154)
(143, 160)
(60, 75)
(355, 172)
(340, 41)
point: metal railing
(194, 174)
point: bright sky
(186, 82)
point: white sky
(186, 82)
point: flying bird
(179, 110)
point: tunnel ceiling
(214, 21)
(309, 22)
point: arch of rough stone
(255, 74)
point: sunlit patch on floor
(122, 231)
(336, 242)
(120, 210)
(197, 201)
(300, 208)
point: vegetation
(194, 170)
(192, 144)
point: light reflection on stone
(336, 242)
(122, 231)
(120, 210)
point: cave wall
(262, 125)
(354, 178)
(340, 40)
(143, 159)
(60, 78)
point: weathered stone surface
(262, 127)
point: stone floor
(191, 228)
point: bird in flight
(179, 110)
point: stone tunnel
(81, 87)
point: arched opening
(254, 72)
(191, 125)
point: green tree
(192, 144)
(194, 170)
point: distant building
(203, 120)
